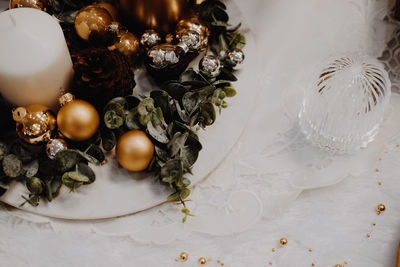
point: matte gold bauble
(193, 24)
(134, 150)
(78, 120)
(93, 22)
(161, 15)
(38, 4)
(35, 123)
(110, 8)
(128, 44)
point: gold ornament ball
(93, 21)
(34, 123)
(184, 256)
(128, 44)
(112, 10)
(78, 120)
(202, 261)
(134, 150)
(380, 208)
(283, 242)
(38, 4)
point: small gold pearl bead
(283, 242)
(310, 250)
(368, 235)
(273, 250)
(313, 264)
(184, 256)
(270, 263)
(380, 209)
(202, 261)
(339, 265)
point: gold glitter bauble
(283, 241)
(93, 22)
(193, 24)
(202, 261)
(78, 120)
(183, 256)
(128, 44)
(54, 146)
(38, 4)
(35, 123)
(380, 208)
(134, 150)
(112, 10)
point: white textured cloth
(333, 222)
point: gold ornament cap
(66, 98)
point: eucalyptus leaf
(31, 168)
(238, 41)
(132, 119)
(227, 75)
(175, 89)
(146, 106)
(190, 102)
(109, 139)
(117, 103)
(66, 160)
(189, 156)
(35, 185)
(113, 120)
(177, 143)
(3, 150)
(229, 91)
(158, 133)
(208, 113)
(12, 166)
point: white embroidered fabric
(262, 191)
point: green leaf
(184, 194)
(177, 143)
(175, 89)
(229, 91)
(108, 138)
(3, 150)
(158, 133)
(113, 120)
(116, 103)
(227, 75)
(132, 119)
(189, 156)
(80, 176)
(208, 114)
(31, 168)
(190, 102)
(174, 197)
(35, 185)
(238, 40)
(12, 166)
(146, 106)
(65, 160)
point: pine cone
(101, 75)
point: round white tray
(118, 192)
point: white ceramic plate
(117, 192)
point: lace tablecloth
(242, 210)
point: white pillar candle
(35, 64)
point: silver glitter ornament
(54, 146)
(210, 66)
(150, 38)
(235, 57)
(195, 25)
(190, 41)
(163, 55)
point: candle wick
(13, 20)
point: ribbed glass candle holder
(345, 103)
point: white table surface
(333, 222)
